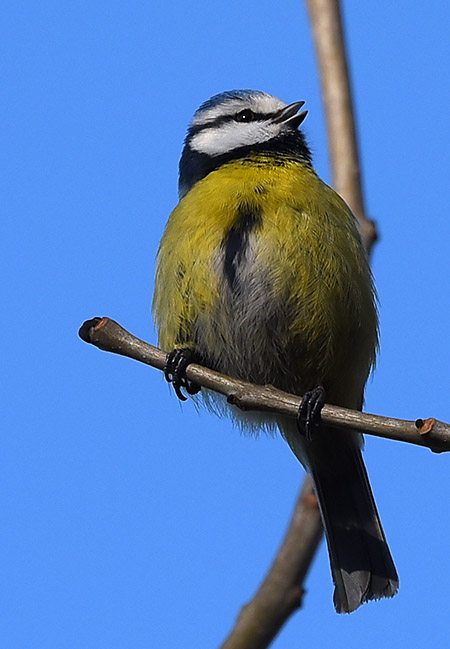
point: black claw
(175, 371)
(171, 364)
(178, 392)
(308, 416)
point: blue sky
(128, 520)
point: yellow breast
(262, 270)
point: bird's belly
(248, 335)
(276, 325)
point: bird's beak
(288, 115)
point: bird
(262, 275)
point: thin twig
(110, 336)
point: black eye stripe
(223, 119)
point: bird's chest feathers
(246, 208)
(258, 233)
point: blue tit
(262, 275)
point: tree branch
(108, 335)
(281, 592)
(326, 22)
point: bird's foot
(308, 416)
(175, 371)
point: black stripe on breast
(236, 241)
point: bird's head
(235, 123)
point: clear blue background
(126, 520)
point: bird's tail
(361, 563)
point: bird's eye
(246, 115)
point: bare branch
(281, 592)
(328, 34)
(110, 336)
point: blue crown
(224, 96)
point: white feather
(232, 135)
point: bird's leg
(175, 371)
(308, 416)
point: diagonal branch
(281, 592)
(110, 336)
(326, 22)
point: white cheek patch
(233, 135)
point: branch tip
(85, 330)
